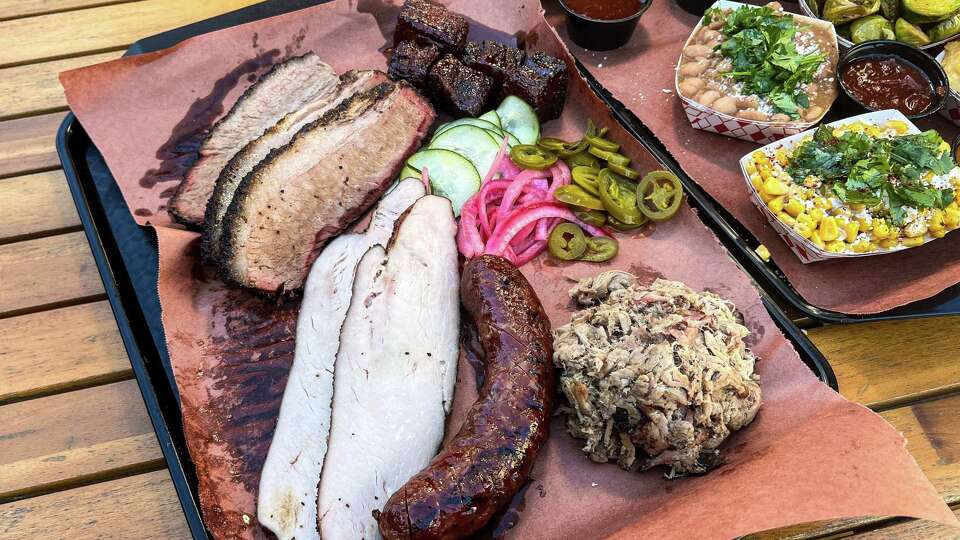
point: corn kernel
(787, 218)
(862, 246)
(951, 217)
(936, 220)
(889, 243)
(766, 197)
(817, 241)
(757, 182)
(874, 131)
(751, 167)
(763, 252)
(938, 234)
(899, 125)
(820, 202)
(851, 229)
(857, 206)
(776, 204)
(776, 187)
(913, 241)
(829, 231)
(816, 214)
(881, 230)
(803, 229)
(803, 217)
(793, 207)
(781, 156)
(837, 246)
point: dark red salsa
(606, 10)
(881, 82)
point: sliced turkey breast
(279, 135)
(285, 88)
(396, 369)
(288, 482)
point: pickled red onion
(514, 210)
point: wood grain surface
(78, 456)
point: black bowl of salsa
(880, 75)
(603, 25)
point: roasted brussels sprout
(871, 28)
(910, 34)
(928, 11)
(945, 29)
(890, 9)
(842, 11)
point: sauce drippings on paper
(888, 83)
(180, 151)
(606, 10)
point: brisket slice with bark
(279, 135)
(285, 88)
(310, 190)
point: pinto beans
(725, 105)
(693, 69)
(690, 87)
(707, 98)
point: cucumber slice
(451, 175)
(408, 172)
(466, 122)
(470, 142)
(492, 117)
(498, 137)
(519, 119)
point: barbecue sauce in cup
(604, 10)
(889, 83)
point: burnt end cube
(542, 82)
(493, 58)
(461, 91)
(424, 23)
(411, 62)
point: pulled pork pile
(659, 368)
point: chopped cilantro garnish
(885, 174)
(759, 44)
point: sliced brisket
(279, 135)
(308, 191)
(285, 88)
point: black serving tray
(741, 242)
(126, 257)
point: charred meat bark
(310, 190)
(424, 22)
(412, 61)
(257, 150)
(285, 88)
(542, 82)
(459, 90)
(493, 58)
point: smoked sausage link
(490, 458)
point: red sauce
(606, 10)
(888, 83)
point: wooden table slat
(886, 363)
(34, 88)
(29, 144)
(912, 530)
(73, 437)
(10, 9)
(85, 31)
(36, 205)
(57, 350)
(47, 271)
(142, 506)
